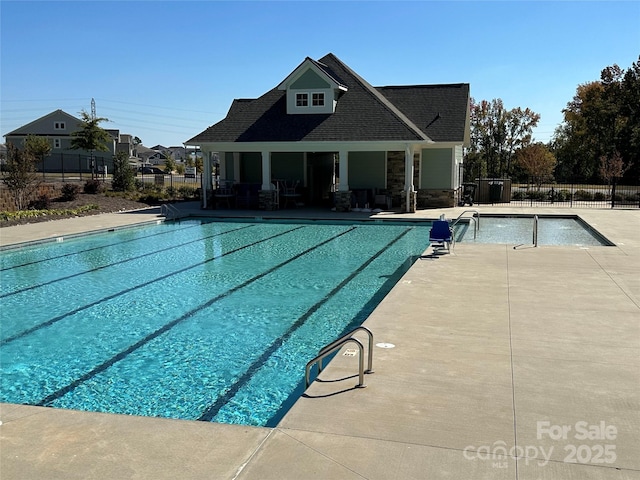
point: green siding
(367, 169)
(251, 167)
(308, 80)
(228, 165)
(287, 166)
(436, 168)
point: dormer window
(317, 99)
(312, 89)
(302, 99)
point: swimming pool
(518, 230)
(197, 319)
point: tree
(20, 175)
(90, 137)
(136, 141)
(537, 162)
(612, 169)
(38, 147)
(496, 134)
(123, 179)
(602, 118)
(169, 163)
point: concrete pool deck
(526, 350)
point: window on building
(302, 99)
(59, 125)
(317, 99)
(57, 143)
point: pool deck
(495, 349)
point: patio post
(266, 170)
(410, 204)
(343, 171)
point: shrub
(518, 195)
(188, 192)
(70, 191)
(563, 195)
(538, 195)
(583, 195)
(93, 187)
(599, 196)
(43, 202)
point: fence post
(572, 192)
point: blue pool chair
(441, 234)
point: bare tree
(20, 175)
(611, 170)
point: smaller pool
(518, 230)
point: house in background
(58, 127)
(342, 141)
(151, 156)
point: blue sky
(164, 71)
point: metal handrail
(327, 352)
(336, 344)
(169, 211)
(476, 222)
(348, 335)
(535, 230)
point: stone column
(343, 201)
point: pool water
(203, 320)
(519, 231)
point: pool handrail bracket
(475, 217)
(335, 345)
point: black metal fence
(73, 168)
(574, 194)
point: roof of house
(363, 113)
(47, 128)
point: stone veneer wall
(395, 179)
(7, 202)
(435, 198)
(267, 199)
(343, 201)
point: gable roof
(48, 128)
(363, 113)
(321, 68)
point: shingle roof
(363, 113)
(441, 111)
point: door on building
(320, 178)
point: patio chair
(290, 194)
(441, 234)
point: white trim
(371, 146)
(301, 69)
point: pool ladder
(335, 345)
(169, 211)
(476, 221)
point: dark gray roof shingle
(363, 113)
